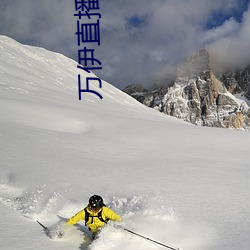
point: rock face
(136, 90)
(201, 97)
(237, 81)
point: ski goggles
(94, 208)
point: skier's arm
(110, 214)
(77, 217)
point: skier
(95, 214)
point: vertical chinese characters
(88, 33)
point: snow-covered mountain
(201, 96)
(182, 185)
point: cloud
(47, 23)
(228, 28)
(141, 41)
(170, 31)
(233, 49)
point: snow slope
(176, 183)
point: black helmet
(96, 202)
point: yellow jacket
(94, 223)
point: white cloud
(129, 53)
(228, 28)
(233, 50)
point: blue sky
(142, 41)
(218, 17)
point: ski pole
(45, 228)
(146, 238)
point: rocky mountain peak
(196, 64)
(202, 97)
